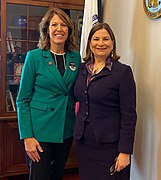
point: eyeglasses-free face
(58, 31)
(101, 44)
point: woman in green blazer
(45, 102)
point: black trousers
(52, 162)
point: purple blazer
(109, 104)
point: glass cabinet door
(21, 35)
(77, 19)
(0, 31)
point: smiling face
(58, 31)
(101, 44)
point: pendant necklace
(97, 70)
(56, 61)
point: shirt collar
(108, 64)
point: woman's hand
(122, 161)
(32, 147)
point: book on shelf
(7, 105)
(8, 46)
(12, 101)
(10, 40)
(17, 71)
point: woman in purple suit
(105, 125)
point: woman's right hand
(32, 147)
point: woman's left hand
(122, 161)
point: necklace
(56, 61)
(56, 53)
(98, 69)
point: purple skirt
(95, 160)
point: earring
(112, 54)
(91, 55)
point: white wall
(139, 44)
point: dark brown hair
(44, 40)
(95, 28)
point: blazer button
(85, 92)
(54, 94)
(86, 102)
(86, 113)
(52, 109)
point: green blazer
(45, 102)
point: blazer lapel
(105, 72)
(53, 69)
(70, 66)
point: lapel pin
(72, 66)
(50, 63)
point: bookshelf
(19, 21)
